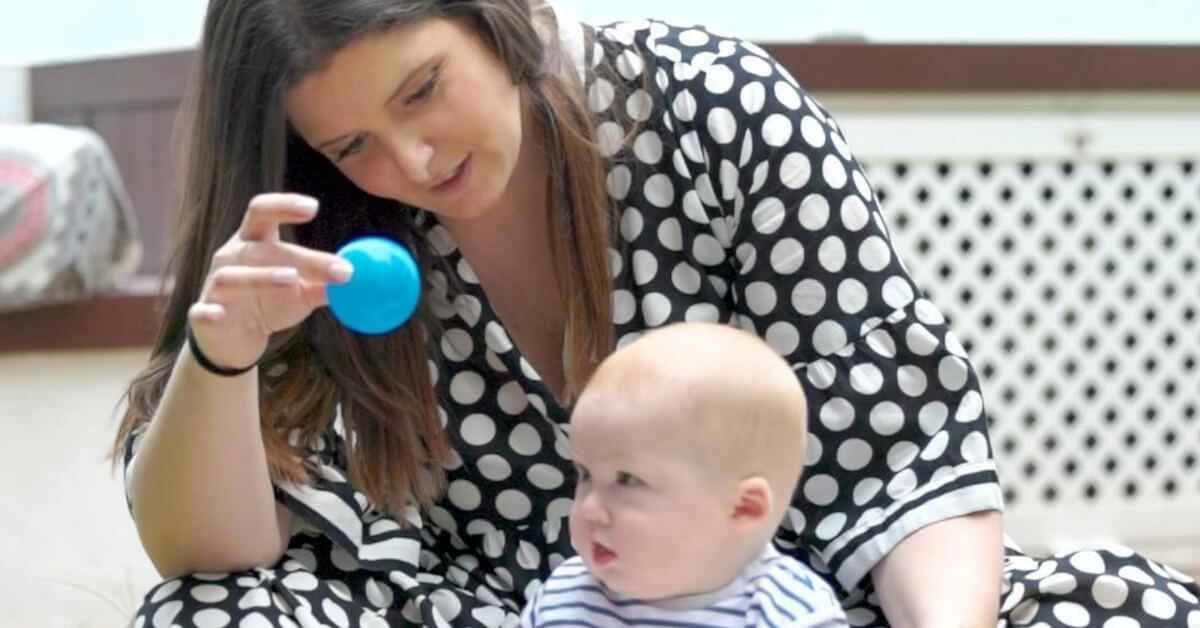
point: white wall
(57, 30)
(14, 95)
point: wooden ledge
(128, 317)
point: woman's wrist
(208, 364)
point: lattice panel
(1074, 285)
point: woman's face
(423, 114)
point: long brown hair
(237, 143)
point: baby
(688, 444)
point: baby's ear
(754, 501)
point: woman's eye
(353, 147)
(425, 90)
(627, 479)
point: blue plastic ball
(383, 291)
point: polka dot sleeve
(898, 434)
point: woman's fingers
(201, 314)
(266, 212)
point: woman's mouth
(455, 180)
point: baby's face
(647, 519)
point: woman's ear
(754, 501)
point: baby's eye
(627, 479)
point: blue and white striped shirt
(773, 591)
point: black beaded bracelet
(208, 365)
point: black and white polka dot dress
(739, 201)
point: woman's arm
(945, 575)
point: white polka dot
(821, 490)
(708, 250)
(513, 504)
(753, 97)
(1193, 619)
(821, 374)
(812, 131)
(545, 477)
(600, 95)
(1059, 584)
(887, 418)
(702, 313)
(814, 212)
(777, 130)
(787, 95)
(718, 79)
(335, 613)
(656, 309)
(446, 602)
(935, 447)
(254, 598)
(854, 454)
(1072, 614)
(165, 590)
(659, 191)
(1134, 574)
(808, 297)
(837, 414)
(920, 340)
(952, 373)
(684, 107)
(768, 215)
(722, 126)
(760, 297)
(834, 172)
(639, 105)
(970, 409)
(866, 379)
(254, 620)
(685, 278)
(511, 398)
(496, 338)
(1110, 591)
(670, 235)
(831, 526)
(975, 447)
(1158, 604)
(211, 618)
(1123, 622)
(467, 387)
(1183, 593)
(756, 65)
(862, 185)
(610, 136)
(874, 254)
(630, 64)
(902, 484)
(648, 148)
(852, 296)
(832, 254)
(783, 337)
(911, 380)
(866, 490)
(795, 171)
(928, 313)
(209, 593)
(693, 37)
(828, 337)
(729, 179)
(787, 256)
(645, 267)
(901, 455)
(525, 440)
(457, 345)
(464, 495)
(897, 293)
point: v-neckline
(519, 368)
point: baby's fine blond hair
(738, 402)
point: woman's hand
(258, 284)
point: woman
(565, 189)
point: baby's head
(689, 443)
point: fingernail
(340, 271)
(307, 203)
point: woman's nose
(414, 157)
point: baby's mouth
(602, 555)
